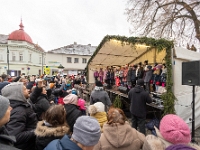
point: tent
(119, 51)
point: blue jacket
(2, 84)
(63, 144)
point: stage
(154, 109)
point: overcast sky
(56, 23)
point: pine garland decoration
(117, 102)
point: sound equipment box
(123, 89)
(191, 73)
(107, 86)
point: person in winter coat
(156, 77)
(72, 110)
(81, 104)
(140, 71)
(99, 95)
(147, 78)
(86, 134)
(23, 119)
(138, 98)
(4, 81)
(172, 131)
(128, 78)
(97, 111)
(40, 100)
(6, 141)
(133, 76)
(118, 134)
(53, 126)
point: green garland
(117, 102)
(159, 45)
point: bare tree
(171, 19)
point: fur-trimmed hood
(44, 131)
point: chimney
(89, 45)
(75, 43)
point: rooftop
(75, 49)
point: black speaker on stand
(191, 77)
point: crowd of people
(43, 113)
(153, 75)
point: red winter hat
(174, 129)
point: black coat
(40, 102)
(6, 141)
(73, 113)
(133, 75)
(138, 97)
(22, 123)
(41, 105)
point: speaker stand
(193, 114)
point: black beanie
(140, 82)
(99, 84)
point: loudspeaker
(123, 89)
(191, 73)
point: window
(20, 56)
(30, 55)
(84, 60)
(69, 60)
(75, 60)
(13, 56)
(40, 60)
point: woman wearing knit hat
(97, 111)
(99, 95)
(118, 134)
(53, 126)
(86, 134)
(173, 130)
(6, 141)
(72, 110)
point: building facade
(18, 54)
(73, 58)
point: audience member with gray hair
(6, 141)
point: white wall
(53, 60)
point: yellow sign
(47, 70)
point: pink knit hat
(81, 104)
(174, 129)
(71, 99)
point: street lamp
(7, 60)
(60, 67)
(42, 63)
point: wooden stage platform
(154, 109)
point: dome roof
(20, 35)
